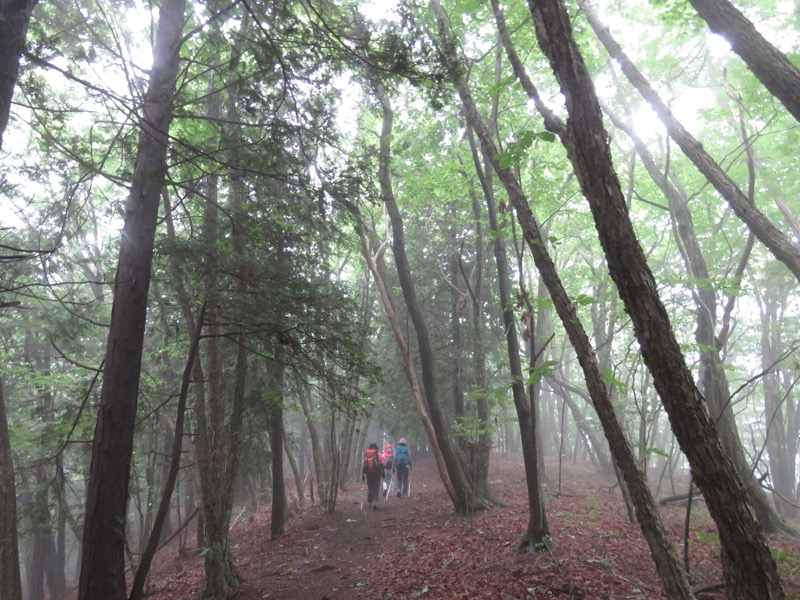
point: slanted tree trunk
(712, 373)
(667, 561)
(748, 566)
(102, 574)
(15, 15)
(778, 74)
(464, 499)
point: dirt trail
(343, 555)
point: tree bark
(749, 568)
(276, 440)
(778, 74)
(15, 16)
(10, 581)
(102, 573)
(714, 381)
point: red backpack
(388, 452)
(372, 461)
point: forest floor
(419, 548)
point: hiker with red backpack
(388, 464)
(402, 465)
(372, 472)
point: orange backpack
(372, 462)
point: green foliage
(546, 368)
(258, 108)
(789, 559)
(517, 151)
(545, 544)
(679, 15)
(706, 537)
(608, 377)
(470, 427)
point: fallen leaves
(417, 548)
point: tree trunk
(10, 581)
(770, 65)
(275, 411)
(217, 465)
(480, 462)
(43, 549)
(457, 298)
(781, 438)
(102, 575)
(712, 373)
(15, 15)
(749, 568)
(317, 453)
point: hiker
(372, 472)
(388, 464)
(402, 465)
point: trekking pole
(408, 495)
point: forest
(240, 240)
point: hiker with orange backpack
(372, 472)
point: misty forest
(242, 239)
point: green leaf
(504, 159)
(658, 451)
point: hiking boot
(398, 494)
(375, 506)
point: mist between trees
(241, 241)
